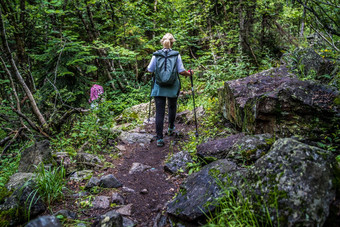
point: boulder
(111, 218)
(217, 149)
(24, 201)
(301, 175)
(293, 181)
(178, 162)
(250, 148)
(109, 181)
(40, 152)
(140, 111)
(198, 189)
(18, 179)
(135, 137)
(188, 116)
(45, 221)
(275, 101)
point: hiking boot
(160, 143)
(171, 131)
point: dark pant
(160, 112)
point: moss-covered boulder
(275, 101)
(239, 148)
(22, 204)
(300, 178)
(293, 182)
(199, 191)
(40, 152)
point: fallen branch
(31, 123)
(12, 140)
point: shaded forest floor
(147, 191)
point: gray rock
(19, 201)
(110, 219)
(94, 181)
(126, 189)
(89, 158)
(117, 199)
(125, 210)
(18, 179)
(81, 175)
(128, 222)
(218, 149)
(144, 191)
(250, 148)
(45, 221)
(80, 194)
(38, 153)
(138, 167)
(296, 175)
(199, 189)
(101, 202)
(177, 162)
(67, 214)
(302, 175)
(134, 137)
(188, 116)
(276, 102)
(109, 181)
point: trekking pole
(193, 99)
(152, 83)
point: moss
(4, 193)
(7, 215)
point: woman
(170, 92)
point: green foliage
(8, 166)
(50, 183)
(240, 209)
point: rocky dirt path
(152, 188)
(145, 193)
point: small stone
(81, 175)
(121, 147)
(125, 210)
(117, 199)
(94, 181)
(144, 191)
(109, 181)
(67, 214)
(126, 189)
(138, 167)
(128, 222)
(45, 221)
(111, 218)
(80, 194)
(101, 202)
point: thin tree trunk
(29, 94)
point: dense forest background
(53, 51)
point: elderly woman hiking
(166, 64)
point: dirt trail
(152, 189)
(160, 186)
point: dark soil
(161, 186)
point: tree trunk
(28, 92)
